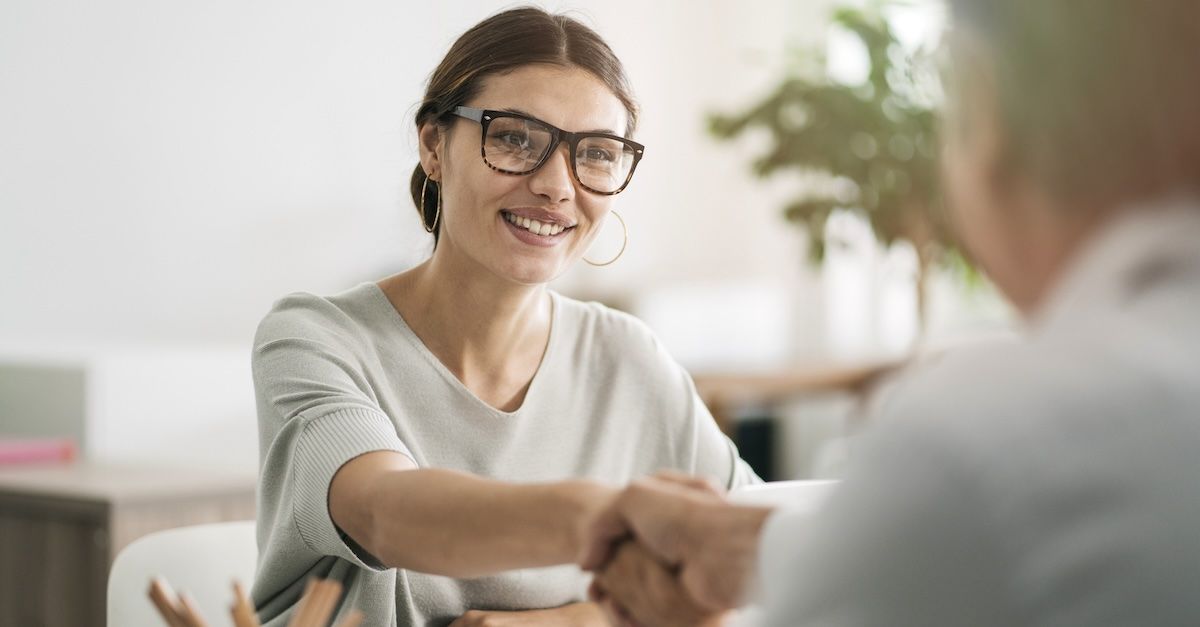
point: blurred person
(422, 434)
(1046, 482)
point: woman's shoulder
(598, 319)
(310, 316)
(609, 335)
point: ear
(431, 140)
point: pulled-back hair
(502, 43)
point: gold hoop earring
(624, 243)
(438, 212)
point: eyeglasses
(518, 144)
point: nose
(553, 180)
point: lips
(537, 227)
(535, 232)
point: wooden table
(62, 525)
(724, 392)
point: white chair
(202, 560)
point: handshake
(670, 550)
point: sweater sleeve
(317, 411)
(701, 448)
(716, 456)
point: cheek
(600, 225)
(475, 198)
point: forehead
(567, 97)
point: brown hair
(1099, 98)
(502, 43)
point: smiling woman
(424, 436)
(503, 161)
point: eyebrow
(530, 115)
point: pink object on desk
(34, 451)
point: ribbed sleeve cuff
(326, 443)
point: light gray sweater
(341, 376)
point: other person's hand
(710, 544)
(635, 590)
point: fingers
(596, 592)
(654, 512)
(164, 600)
(320, 599)
(616, 614)
(178, 612)
(243, 609)
(306, 600)
(644, 591)
(353, 619)
(190, 612)
(323, 610)
(621, 617)
(706, 591)
(607, 529)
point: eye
(512, 139)
(598, 155)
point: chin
(532, 273)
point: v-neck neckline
(411, 336)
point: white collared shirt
(1054, 481)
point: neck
(1051, 238)
(473, 320)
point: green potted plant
(874, 143)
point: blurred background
(168, 170)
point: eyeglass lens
(518, 145)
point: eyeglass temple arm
(469, 113)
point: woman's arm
(455, 524)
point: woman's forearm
(455, 524)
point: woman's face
(480, 205)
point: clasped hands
(668, 551)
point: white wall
(167, 169)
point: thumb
(600, 537)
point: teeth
(533, 226)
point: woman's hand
(573, 615)
(635, 590)
(711, 545)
